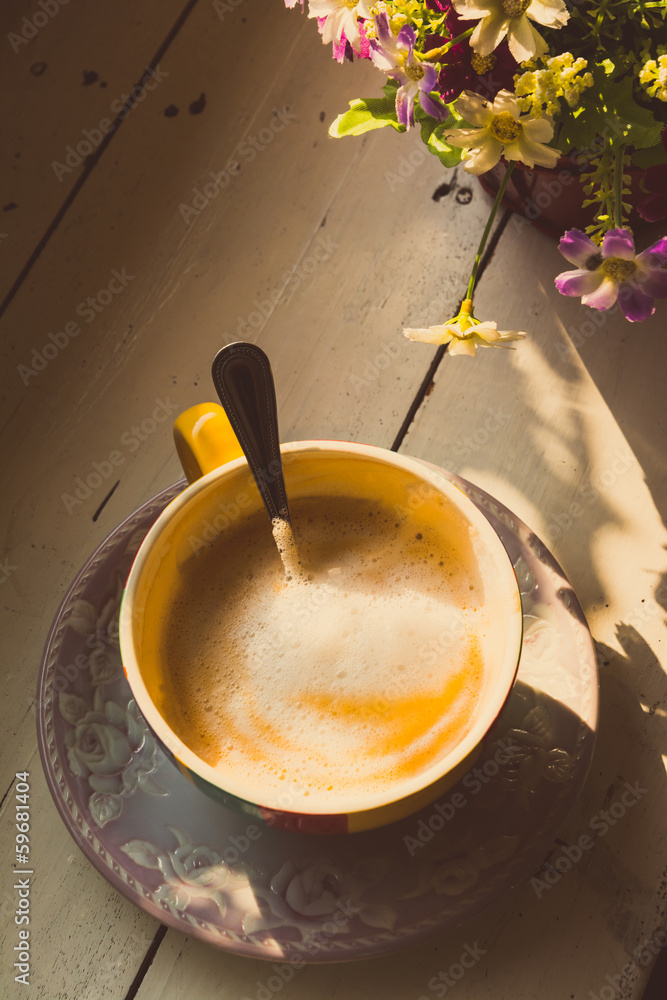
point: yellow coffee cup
(409, 716)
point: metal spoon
(243, 379)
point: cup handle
(204, 440)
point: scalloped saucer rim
(323, 902)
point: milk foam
(337, 683)
(362, 668)
(285, 541)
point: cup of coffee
(344, 682)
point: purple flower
(394, 54)
(612, 272)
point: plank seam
(147, 961)
(93, 159)
(2, 800)
(424, 388)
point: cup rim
(402, 789)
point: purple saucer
(213, 873)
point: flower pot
(552, 199)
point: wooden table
(218, 210)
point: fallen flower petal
(464, 339)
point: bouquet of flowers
(527, 81)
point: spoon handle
(244, 382)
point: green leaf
(426, 126)
(366, 114)
(426, 123)
(635, 124)
(390, 88)
(609, 109)
(581, 128)
(644, 158)
(448, 155)
(432, 135)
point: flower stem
(487, 229)
(618, 187)
(433, 55)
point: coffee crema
(363, 670)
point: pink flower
(395, 55)
(342, 50)
(338, 18)
(613, 272)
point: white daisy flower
(463, 338)
(500, 131)
(341, 19)
(512, 18)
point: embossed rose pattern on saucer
(222, 877)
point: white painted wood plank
(186, 968)
(541, 438)
(189, 281)
(154, 341)
(68, 899)
(59, 80)
(525, 945)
